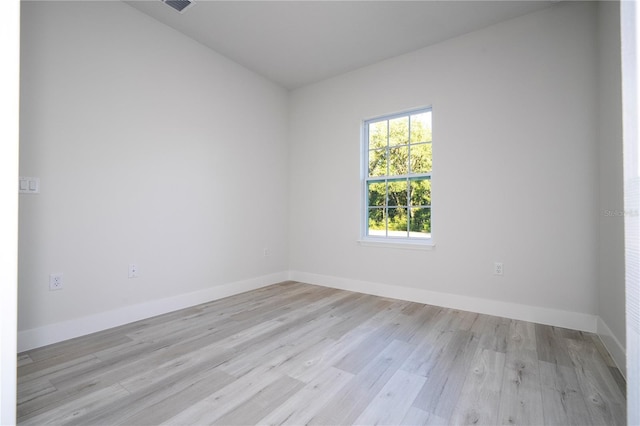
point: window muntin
(398, 162)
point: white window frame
(386, 240)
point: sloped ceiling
(295, 43)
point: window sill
(399, 244)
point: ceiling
(295, 43)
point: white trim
(427, 244)
(537, 314)
(613, 345)
(53, 333)
(9, 130)
(630, 44)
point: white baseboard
(558, 318)
(53, 333)
(613, 345)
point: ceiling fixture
(179, 5)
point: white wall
(611, 281)
(515, 169)
(151, 149)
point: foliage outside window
(397, 184)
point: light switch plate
(29, 185)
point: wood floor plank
(223, 339)
(550, 345)
(262, 403)
(495, 334)
(424, 319)
(56, 370)
(619, 379)
(599, 388)
(361, 355)
(36, 404)
(308, 320)
(309, 364)
(444, 385)
(390, 405)
(602, 350)
(278, 306)
(608, 360)
(412, 328)
(65, 413)
(416, 416)
(213, 312)
(304, 405)
(479, 400)
(187, 365)
(432, 348)
(587, 359)
(562, 398)
(282, 353)
(349, 402)
(413, 308)
(306, 365)
(360, 309)
(34, 389)
(294, 353)
(109, 373)
(225, 399)
(473, 322)
(168, 393)
(453, 320)
(81, 346)
(151, 406)
(521, 398)
(23, 359)
(216, 323)
(567, 333)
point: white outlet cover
(55, 282)
(498, 268)
(133, 270)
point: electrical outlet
(133, 270)
(55, 282)
(498, 268)
(266, 252)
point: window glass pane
(378, 162)
(421, 127)
(398, 156)
(398, 161)
(420, 222)
(378, 135)
(397, 195)
(399, 131)
(377, 193)
(398, 234)
(421, 158)
(398, 222)
(420, 192)
(377, 222)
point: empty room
(321, 212)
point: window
(397, 153)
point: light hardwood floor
(299, 354)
